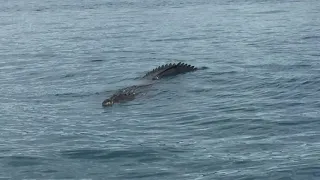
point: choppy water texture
(254, 114)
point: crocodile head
(107, 102)
(118, 98)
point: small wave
(317, 55)
(136, 175)
(100, 154)
(271, 12)
(311, 37)
(17, 161)
(97, 60)
(176, 39)
(76, 94)
(68, 75)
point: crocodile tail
(169, 70)
(155, 71)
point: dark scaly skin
(167, 70)
(125, 94)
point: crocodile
(161, 72)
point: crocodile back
(169, 70)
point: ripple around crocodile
(167, 70)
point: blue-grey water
(254, 114)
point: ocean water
(253, 114)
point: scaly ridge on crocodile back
(169, 70)
(129, 93)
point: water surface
(254, 114)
